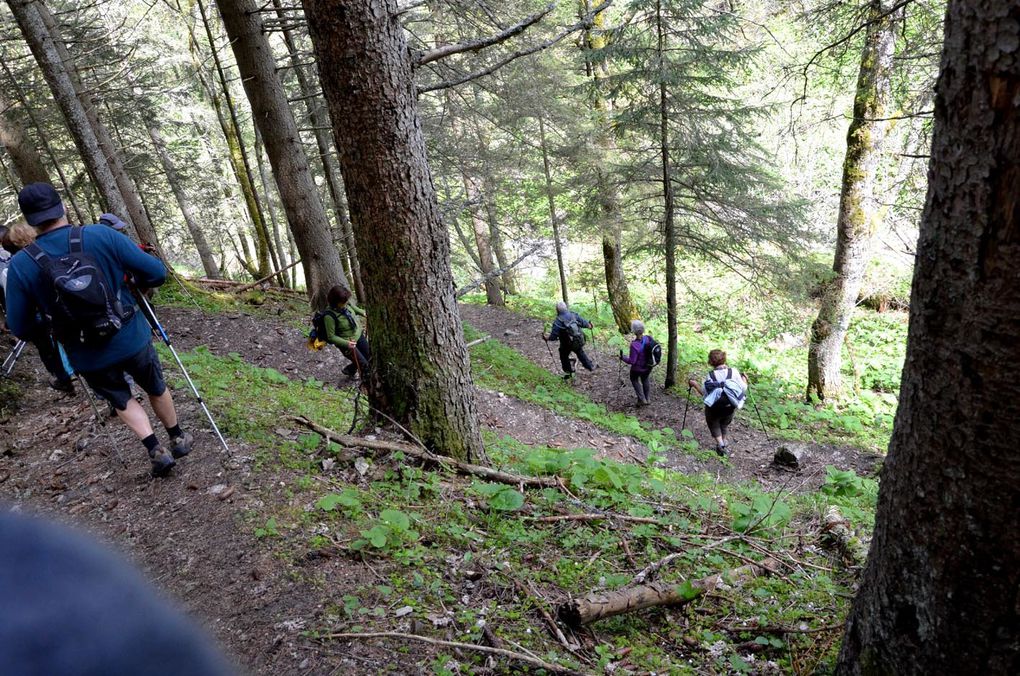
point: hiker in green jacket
(344, 329)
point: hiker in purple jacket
(640, 369)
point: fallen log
(837, 531)
(477, 341)
(266, 278)
(416, 452)
(600, 605)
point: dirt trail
(751, 452)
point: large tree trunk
(422, 373)
(275, 120)
(44, 49)
(28, 164)
(608, 198)
(132, 200)
(939, 595)
(859, 214)
(493, 296)
(668, 226)
(552, 212)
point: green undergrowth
(251, 402)
(178, 292)
(496, 366)
(767, 341)
(444, 555)
(454, 554)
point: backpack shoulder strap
(729, 374)
(74, 240)
(41, 258)
(711, 376)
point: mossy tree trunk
(275, 120)
(237, 151)
(939, 593)
(318, 122)
(859, 214)
(610, 214)
(493, 295)
(421, 371)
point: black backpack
(318, 331)
(653, 352)
(574, 332)
(85, 310)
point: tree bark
(238, 151)
(493, 296)
(80, 215)
(281, 256)
(28, 165)
(553, 220)
(939, 594)
(608, 198)
(668, 226)
(509, 278)
(132, 200)
(43, 46)
(422, 373)
(859, 213)
(275, 120)
(352, 266)
(173, 177)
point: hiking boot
(181, 446)
(162, 463)
(65, 386)
(568, 376)
(350, 370)
(722, 451)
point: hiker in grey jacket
(568, 328)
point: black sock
(150, 442)
(175, 431)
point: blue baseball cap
(39, 203)
(112, 221)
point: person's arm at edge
(20, 310)
(147, 270)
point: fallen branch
(592, 517)
(536, 600)
(652, 570)
(600, 605)
(465, 290)
(266, 278)
(478, 341)
(415, 452)
(836, 530)
(502, 652)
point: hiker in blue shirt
(568, 329)
(640, 368)
(30, 290)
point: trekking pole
(760, 421)
(686, 406)
(12, 358)
(546, 341)
(150, 315)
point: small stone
(361, 465)
(791, 455)
(226, 494)
(406, 610)
(217, 489)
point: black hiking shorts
(719, 418)
(111, 385)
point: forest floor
(242, 542)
